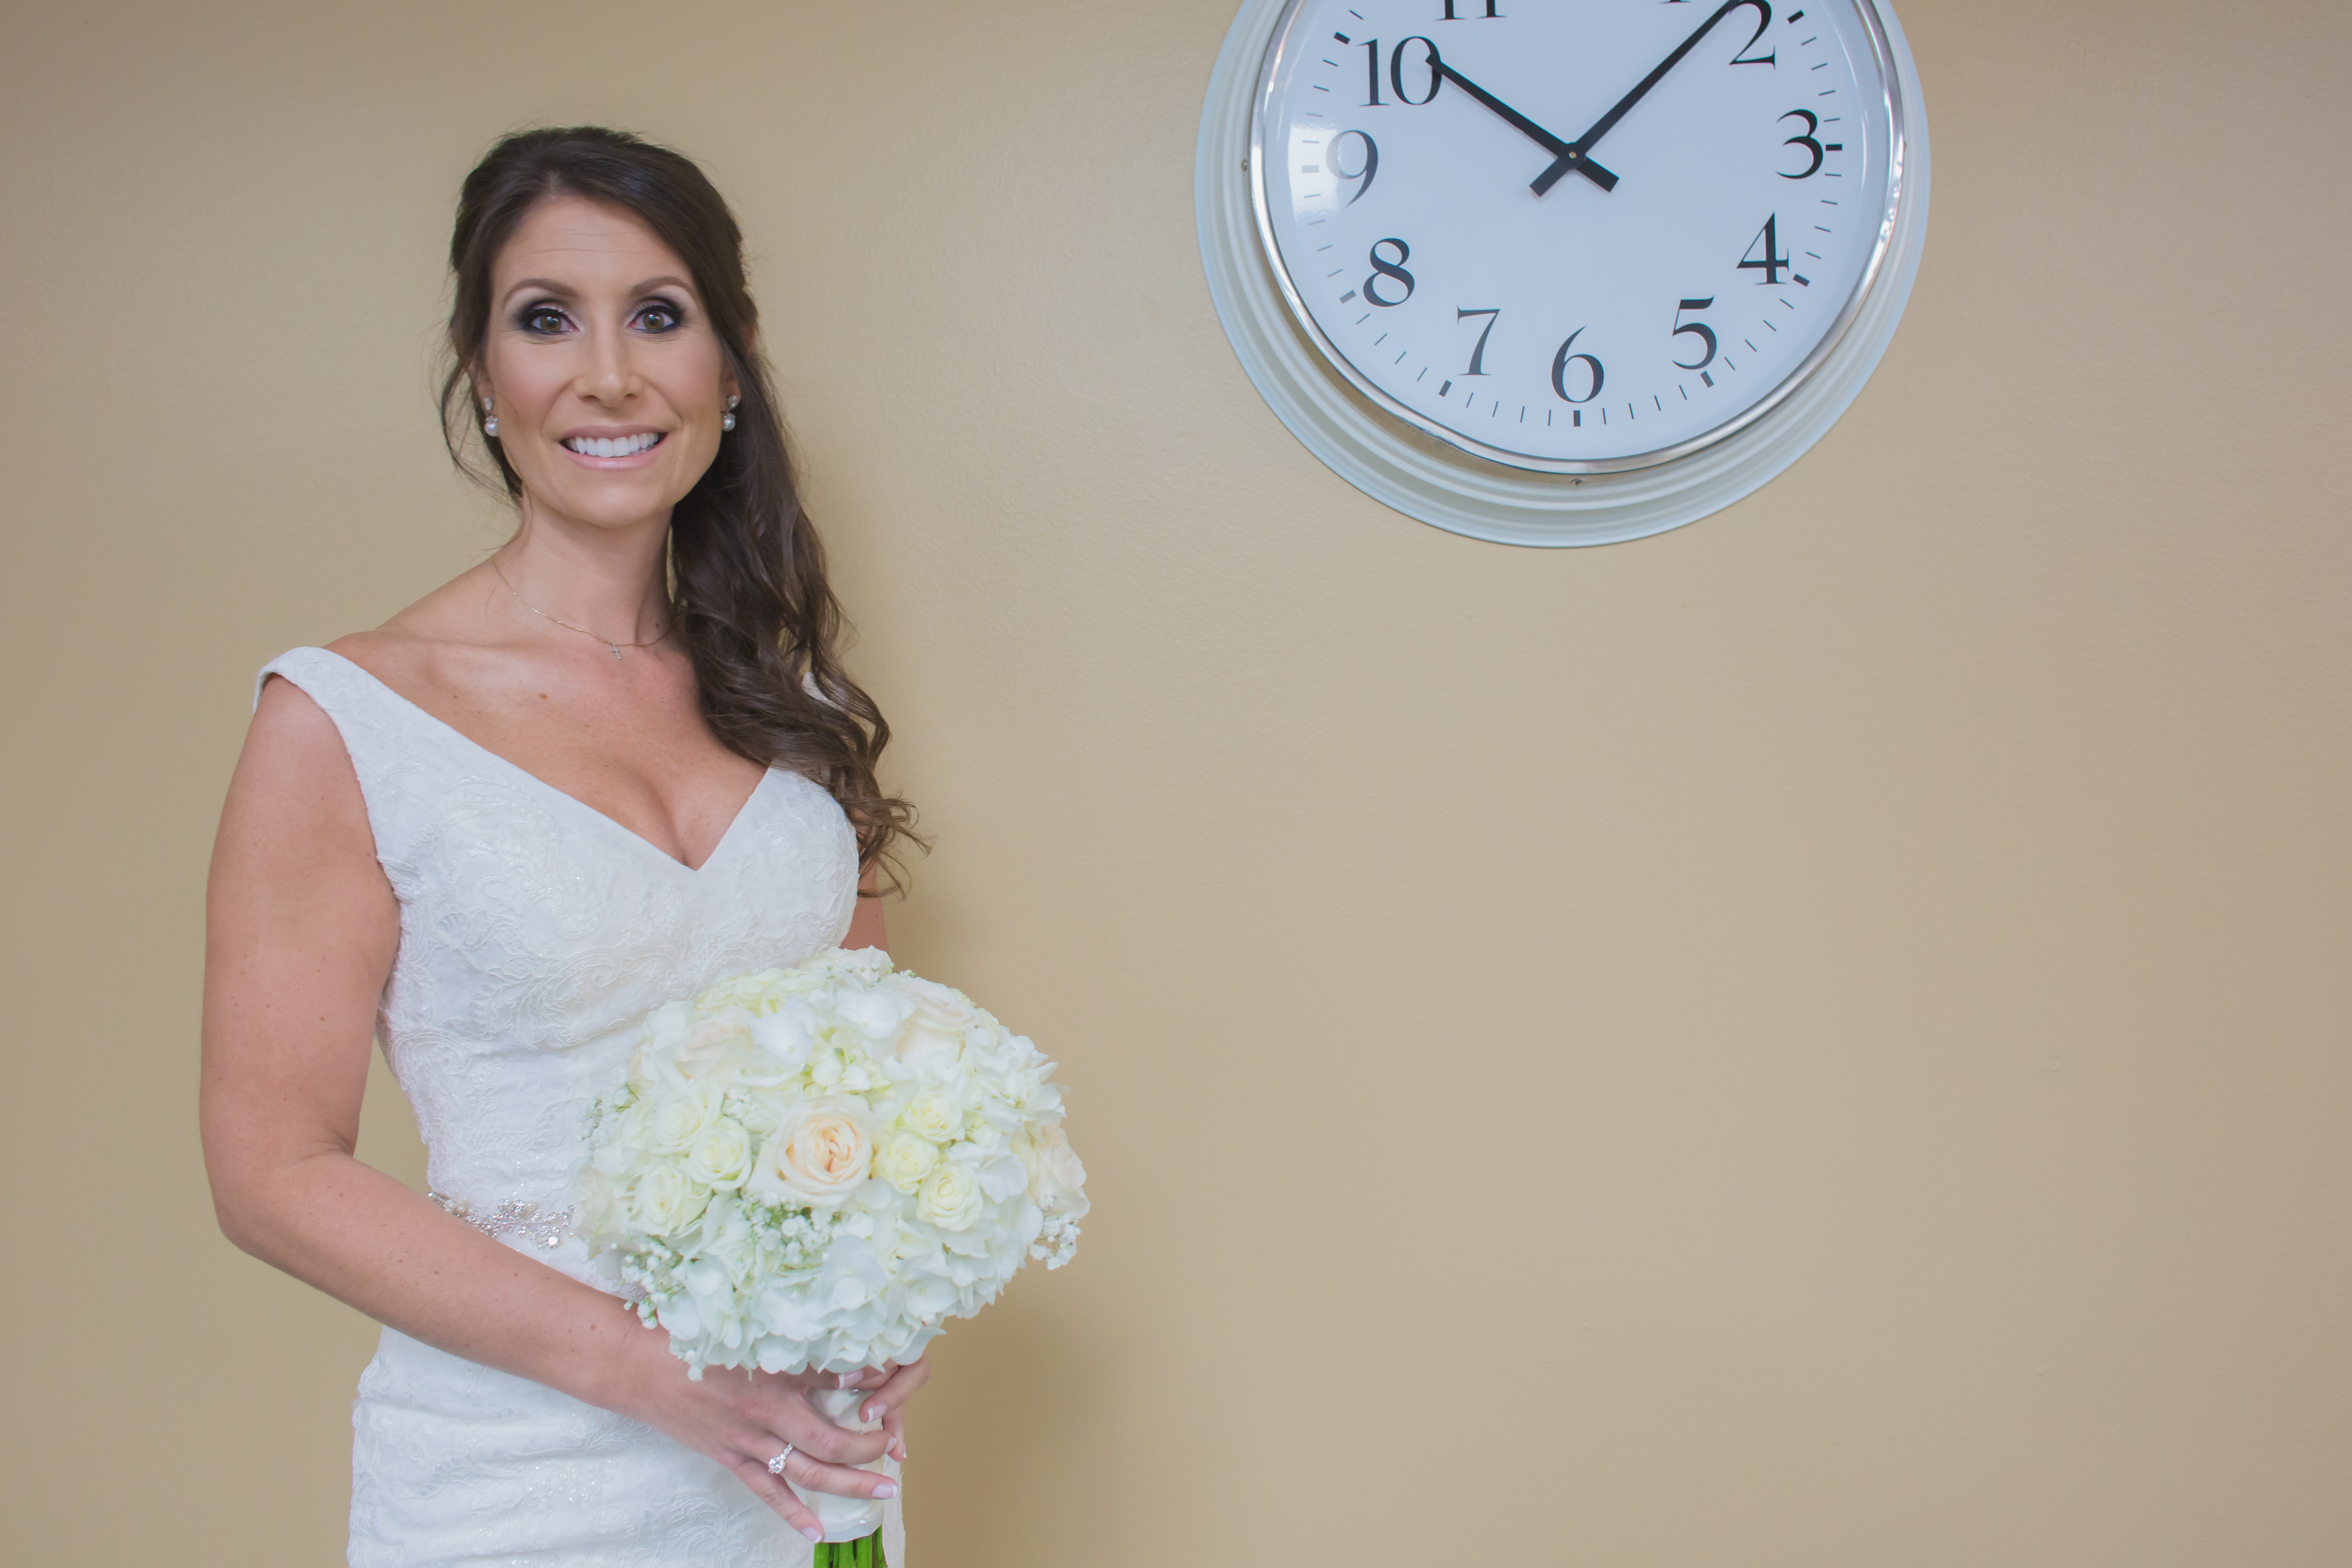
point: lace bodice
(533, 931)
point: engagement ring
(776, 1464)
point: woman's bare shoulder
(382, 653)
(429, 646)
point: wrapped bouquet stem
(847, 1521)
(812, 1169)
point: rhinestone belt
(512, 1218)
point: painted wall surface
(1820, 1038)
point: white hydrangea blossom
(815, 1168)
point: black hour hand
(1542, 138)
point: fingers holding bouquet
(752, 1421)
(785, 1449)
(864, 1377)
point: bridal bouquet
(812, 1169)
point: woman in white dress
(616, 761)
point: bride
(614, 762)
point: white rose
(600, 1209)
(817, 1156)
(709, 1043)
(764, 1110)
(1056, 1180)
(934, 1034)
(683, 1115)
(621, 1141)
(664, 1203)
(905, 1160)
(721, 1157)
(951, 1198)
(729, 993)
(935, 1115)
(664, 1026)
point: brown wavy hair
(748, 595)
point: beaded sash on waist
(512, 1218)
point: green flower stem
(866, 1552)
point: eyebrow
(564, 291)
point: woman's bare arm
(302, 928)
(866, 929)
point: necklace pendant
(616, 647)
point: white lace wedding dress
(532, 930)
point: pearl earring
(489, 420)
(728, 421)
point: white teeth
(618, 447)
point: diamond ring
(776, 1464)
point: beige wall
(1901, 922)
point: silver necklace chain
(567, 626)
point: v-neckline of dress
(615, 823)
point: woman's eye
(659, 319)
(544, 318)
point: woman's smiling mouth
(614, 446)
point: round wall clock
(1561, 272)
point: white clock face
(1575, 235)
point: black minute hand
(1534, 132)
(1572, 157)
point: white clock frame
(1360, 436)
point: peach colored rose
(819, 1153)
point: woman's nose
(609, 376)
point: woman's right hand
(743, 1420)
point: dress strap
(396, 766)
